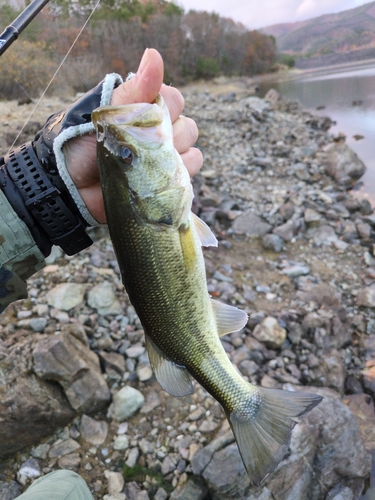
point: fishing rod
(11, 32)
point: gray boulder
(67, 359)
(25, 397)
(9, 491)
(343, 164)
(251, 225)
(327, 457)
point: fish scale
(158, 242)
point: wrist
(43, 203)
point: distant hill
(329, 34)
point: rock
(203, 456)
(331, 372)
(287, 210)
(353, 386)
(323, 235)
(144, 372)
(325, 448)
(248, 367)
(121, 443)
(362, 406)
(270, 333)
(197, 414)
(126, 402)
(152, 402)
(43, 405)
(364, 230)
(134, 492)
(147, 447)
(116, 496)
(262, 162)
(272, 242)
(114, 364)
(296, 270)
(344, 494)
(366, 207)
(168, 465)
(66, 296)
(366, 297)
(273, 97)
(350, 233)
(102, 298)
(9, 491)
(288, 230)
(226, 475)
(93, 431)
(295, 332)
(135, 351)
(194, 489)
(312, 218)
(67, 360)
(301, 172)
(115, 480)
(208, 426)
(325, 296)
(70, 461)
(61, 448)
(132, 457)
(250, 224)
(40, 451)
(343, 164)
(28, 471)
(161, 494)
(38, 324)
(369, 379)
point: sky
(256, 14)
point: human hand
(80, 152)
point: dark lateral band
(45, 201)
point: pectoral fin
(206, 236)
(228, 318)
(173, 378)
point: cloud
(255, 14)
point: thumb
(146, 83)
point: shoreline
(295, 247)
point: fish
(158, 243)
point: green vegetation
(139, 474)
(193, 44)
(286, 59)
(207, 67)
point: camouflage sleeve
(19, 255)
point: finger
(146, 83)
(193, 160)
(92, 197)
(174, 100)
(185, 133)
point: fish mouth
(133, 125)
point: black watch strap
(44, 201)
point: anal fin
(173, 378)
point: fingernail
(143, 63)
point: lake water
(337, 89)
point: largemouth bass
(157, 240)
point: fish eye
(126, 154)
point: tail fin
(263, 426)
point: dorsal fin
(228, 318)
